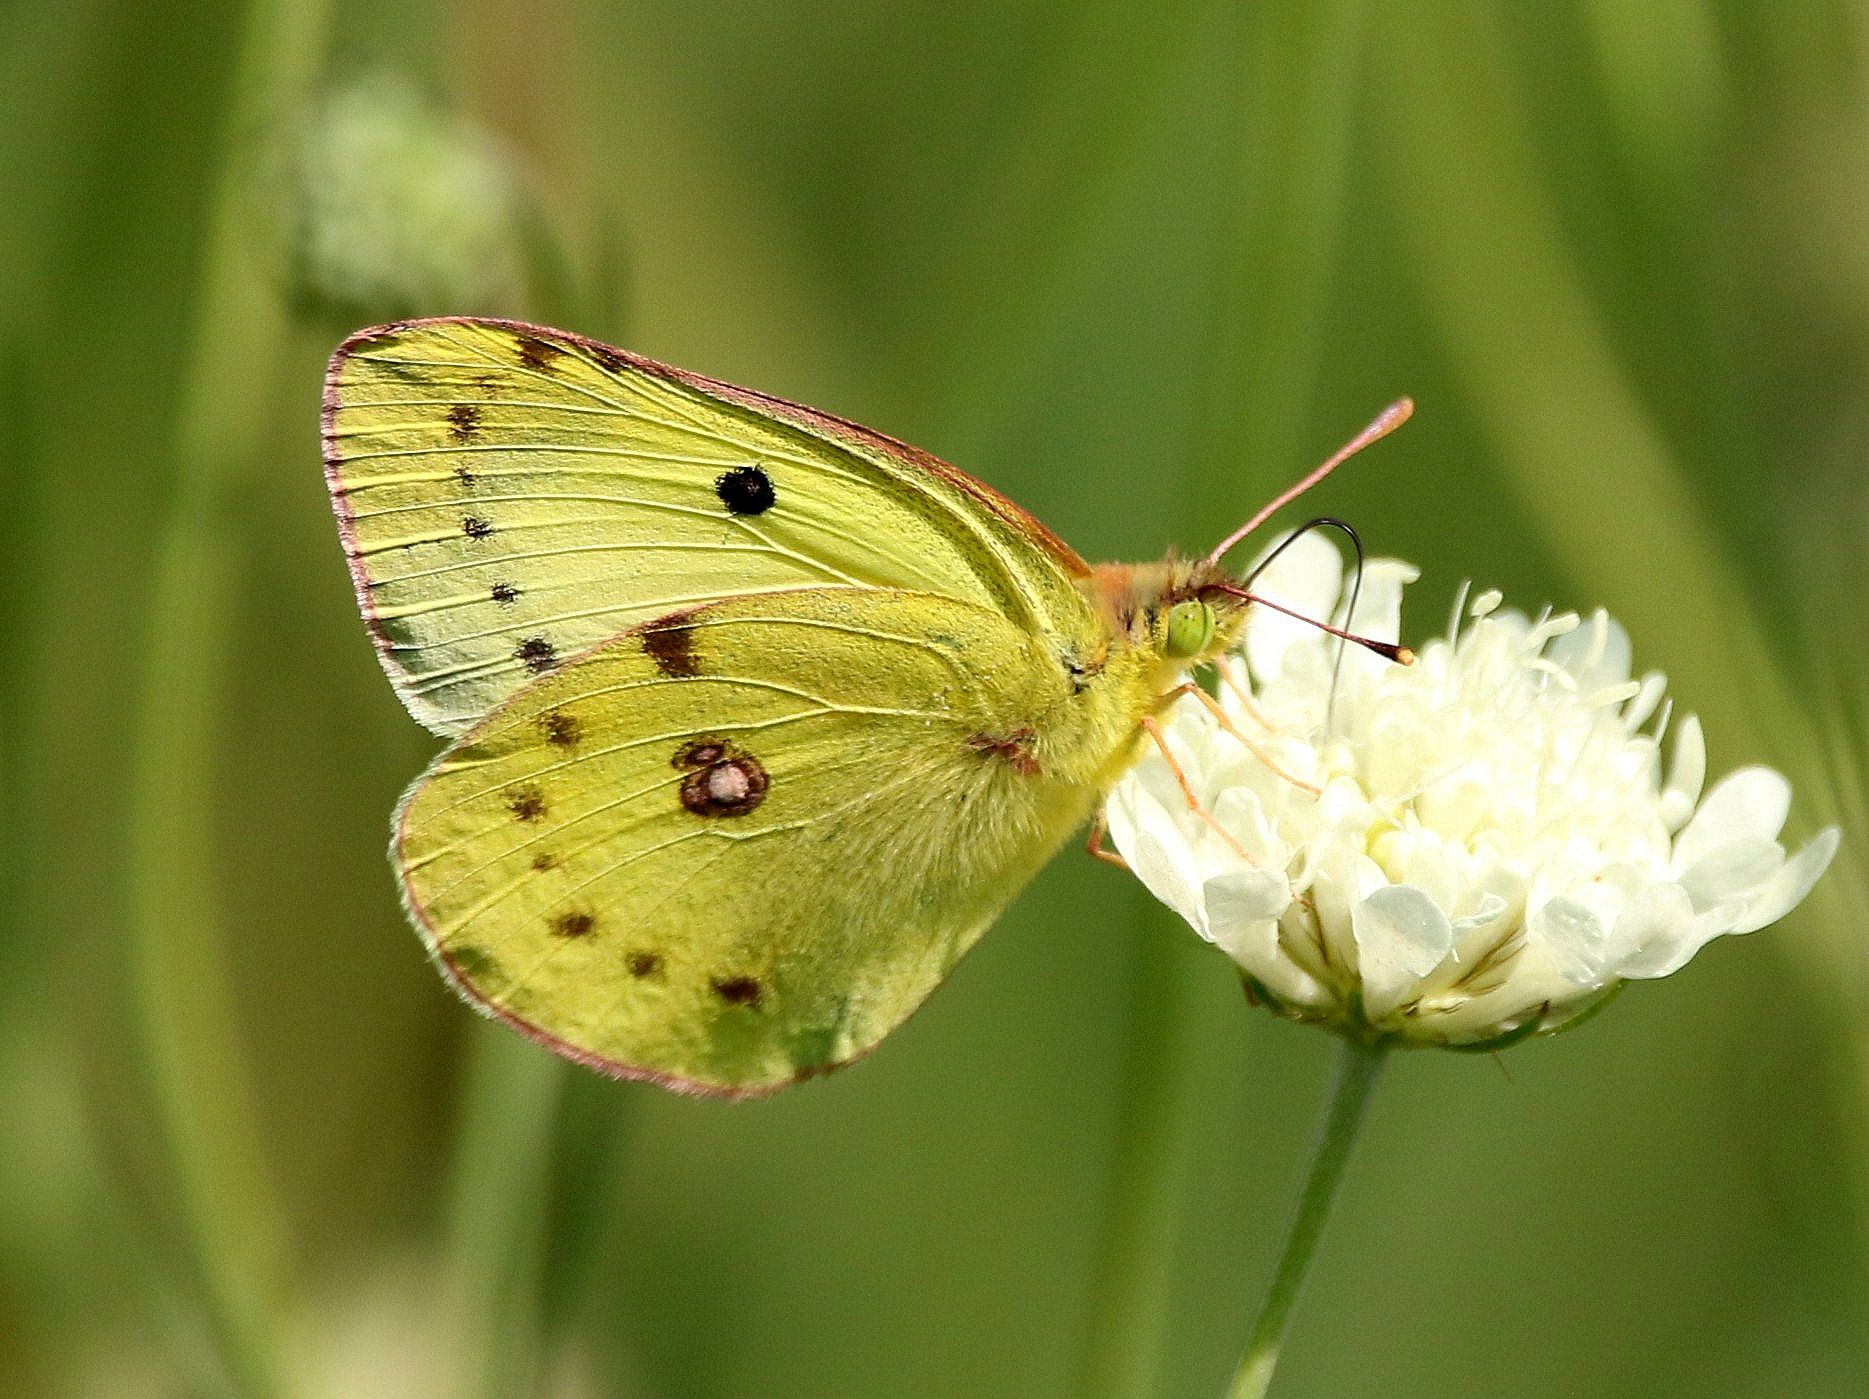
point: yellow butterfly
(760, 718)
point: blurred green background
(1138, 266)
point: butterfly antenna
(1384, 423)
(1388, 650)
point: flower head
(399, 208)
(1461, 852)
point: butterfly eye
(1190, 629)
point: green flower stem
(179, 982)
(1294, 106)
(1357, 1071)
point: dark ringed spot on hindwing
(537, 653)
(463, 422)
(535, 353)
(505, 594)
(746, 490)
(731, 787)
(738, 990)
(475, 528)
(527, 803)
(669, 642)
(561, 730)
(700, 753)
(574, 924)
(641, 964)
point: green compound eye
(1190, 629)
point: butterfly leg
(1226, 722)
(1246, 703)
(1093, 844)
(1154, 729)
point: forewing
(510, 495)
(732, 852)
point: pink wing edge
(609, 357)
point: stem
(1291, 98)
(1357, 1071)
(184, 1009)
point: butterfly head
(1179, 609)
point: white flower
(1463, 851)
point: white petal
(1751, 802)
(1737, 872)
(1786, 889)
(1379, 601)
(1650, 932)
(1401, 935)
(1572, 935)
(1242, 912)
(1596, 654)
(1306, 577)
(1157, 853)
(1686, 774)
(1664, 960)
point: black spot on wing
(463, 422)
(669, 642)
(560, 729)
(738, 990)
(475, 528)
(526, 803)
(537, 654)
(505, 594)
(745, 490)
(643, 964)
(573, 924)
(544, 860)
(535, 353)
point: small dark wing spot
(464, 478)
(475, 528)
(574, 924)
(699, 753)
(1015, 748)
(463, 422)
(544, 860)
(526, 803)
(746, 490)
(561, 730)
(505, 594)
(537, 653)
(641, 964)
(731, 787)
(669, 642)
(609, 359)
(738, 990)
(472, 961)
(535, 353)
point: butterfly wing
(510, 495)
(730, 850)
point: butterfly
(759, 718)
